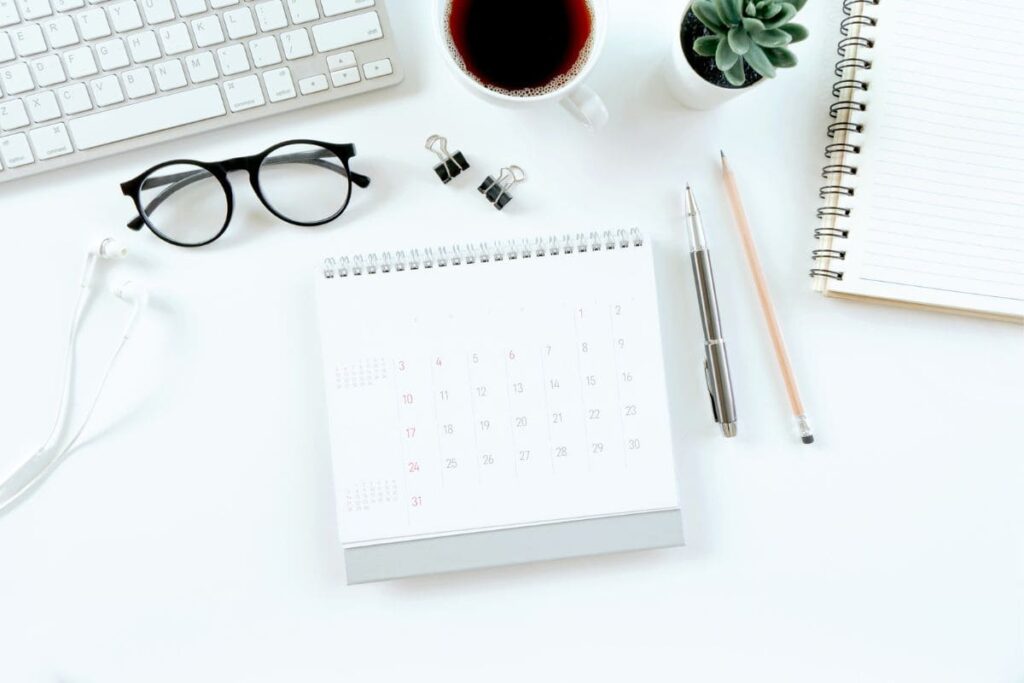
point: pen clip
(711, 392)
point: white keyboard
(80, 79)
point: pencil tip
(722, 154)
(808, 439)
(687, 187)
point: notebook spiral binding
(854, 50)
(468, 254)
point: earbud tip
(112, 249)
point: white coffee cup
(574, 96)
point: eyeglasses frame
(252, 165)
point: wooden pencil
(767, 307)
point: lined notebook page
(938, 216)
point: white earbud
(108, 249)
(27, 478)
(135, 294)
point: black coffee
(521, 47)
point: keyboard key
(239, 23)
(16, 78)
(43, 107)
(302, 11)
(147, 117)
(377, 69)
(157, 11)
(124, 16)
(74, 99)
(201, 67)
(35, 9)
(187, 8)
(66, 5)
(112, 54)
(207, 31)
(52, 141)
(81, 62)
(138, 83)
(296, 44)
(6, 49)
(143, 47)
(342, 60)
(48, 71)
(13, 115)
(265, 52)
(92, 24)
(345, 77)
(60, 31)
(219, 4)
(313, 84)
(271, 15)
(349, 31)
(170, 75)
(232, 60)
(28, 40)
(175, 39)
(106, 91)
(335, 7)
(15, 151)
(8, 13)
(244, 93)
(279, 84)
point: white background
(192, 536)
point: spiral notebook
(497, 404)
(925, 179)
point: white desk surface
(192, 536)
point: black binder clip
(497, 191)
(451, 165)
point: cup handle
(587, 106)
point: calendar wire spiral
(855, 60)
(483, 252)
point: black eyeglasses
(189, 203)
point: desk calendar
(496, 404)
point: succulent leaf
(796, 31)
(770, 10)
(707, 14)
(706, 46)
(780, 57)
(751, 10)
(759, 62)
(773, 38)
(739, 40)
(782, 18)
(735, 75)
(797, 4)
(731, 11)
(752, 25)
(725, 58)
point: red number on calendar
(417, 501)
(511, 355)
(401, 366)
(410, 432)
(407, 399)
(438, 362)
(414, 467)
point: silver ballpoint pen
(716, 360)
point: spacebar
(147, 117)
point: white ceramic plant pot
(686, 85)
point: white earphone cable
(34, 471)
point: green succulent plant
(755, 32)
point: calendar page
(496, 394)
